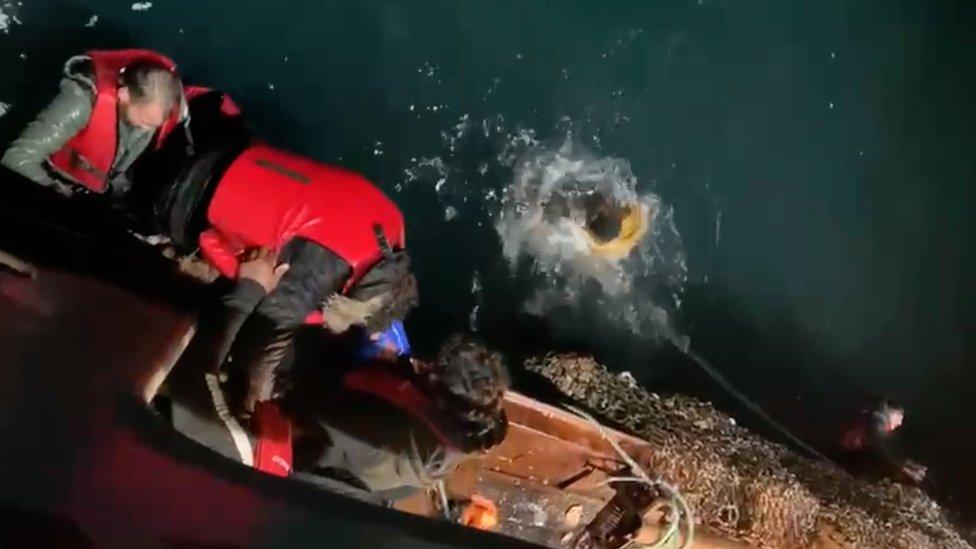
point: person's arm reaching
(67, 115)
(218, 327)
(884, 448)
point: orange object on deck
(481, 513)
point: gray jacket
(67, 115)
(381, 446)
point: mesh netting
(743, 487)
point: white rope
(442, 492)
(678, 505)
(17, 266)
(682, 344)
(241, 442)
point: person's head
(893, 415)
(469, 381)
(148, 93)
(604, 217)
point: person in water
(611, 229)
(373, 418)
(866, 445)
(112, 107)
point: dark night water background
(819, 157)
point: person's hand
(62, 189)
(914, 471)
(261, 266)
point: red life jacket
(272, 429)
(267, 197)
(87, 158)
(855, 437)
(273, 451)
(404, 394)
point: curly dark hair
(604, 217)
(469, 381)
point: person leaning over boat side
(112, 106)
(343, 237)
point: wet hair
(148, 81)
(470, 372)
(470, 380)
(604, 218)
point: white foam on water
(8, 16)
(429, 168)
(477, 293)
(718, 227)
(514, 181)
(491, 89)
(4, 108)
(473, 319)
(91, 22)
(541, 223)
(476, 284)
(456, 133)
(427, 69)
(142, 6)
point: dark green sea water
(819, 157)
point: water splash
(541, 224)
(476, 291)
(8, 15)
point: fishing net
(743, 487)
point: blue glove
(393, 338)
